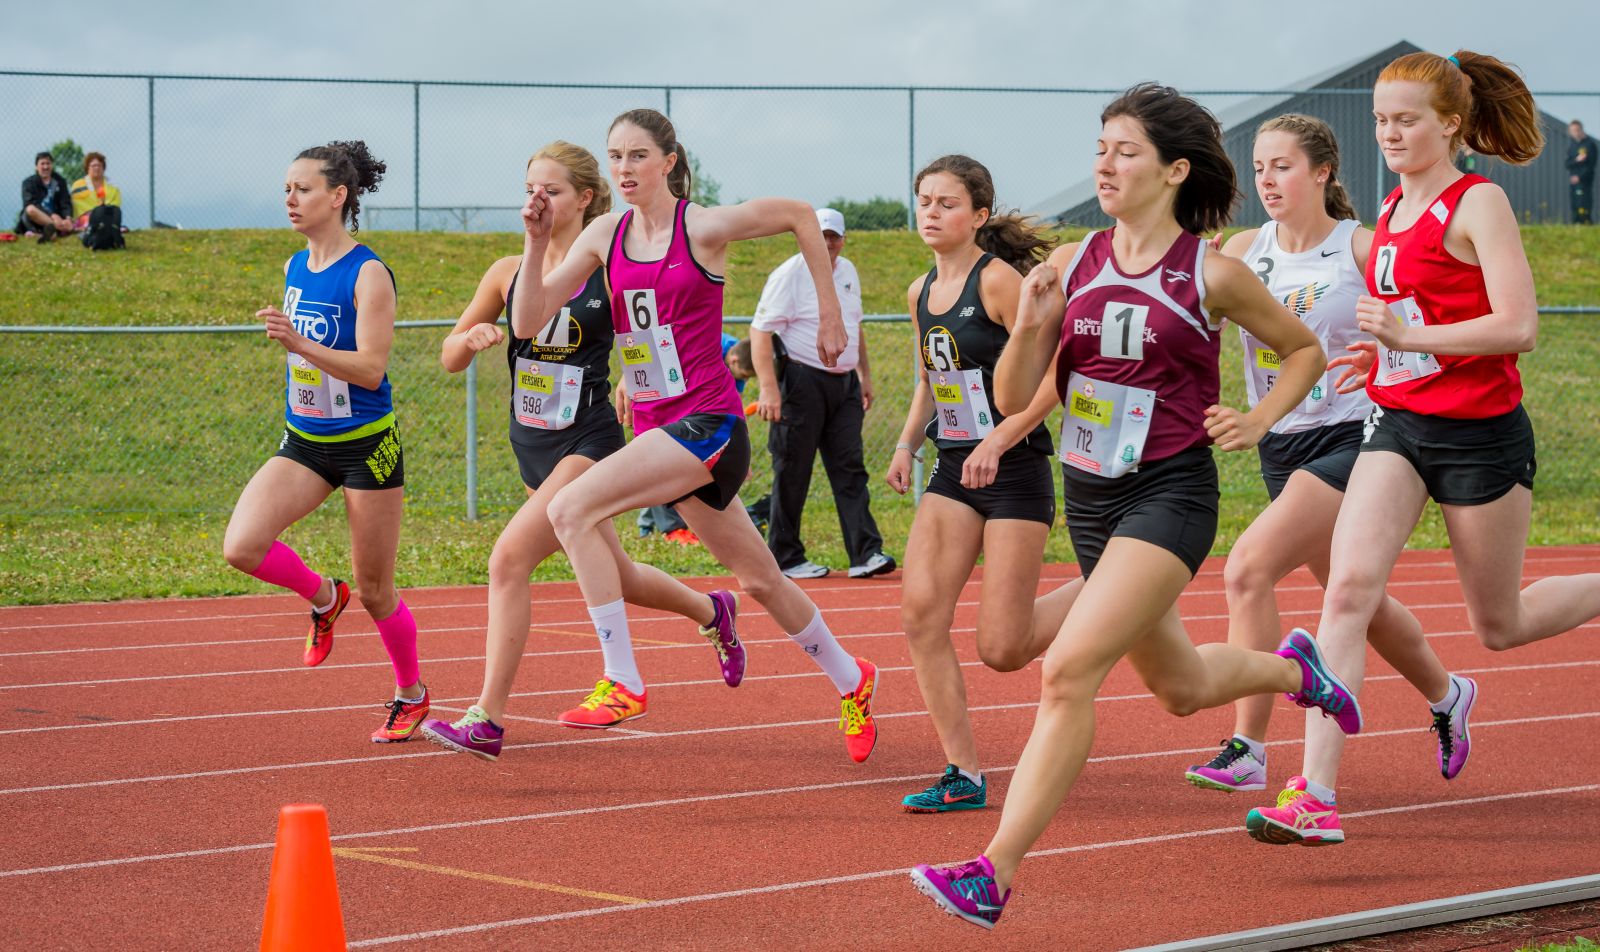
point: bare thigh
(281, 493)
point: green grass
(126, 452)
(1578, 944)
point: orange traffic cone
(303, 899)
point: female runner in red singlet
(1451, 304)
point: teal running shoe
(952, 792)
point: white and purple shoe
(1234, 769)
(967, 890)
(473, 734)
(1319, 686)
(724, 636)
(1455, 738)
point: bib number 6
(642, 314)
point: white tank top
(1321, 287)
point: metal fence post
(472, 440)
(150, 116)
(416, 157)
(668, 103)
(916, 480)
(911, 160)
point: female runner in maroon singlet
(1131, 319)
(1451, 305)
(663, 259)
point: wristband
(907, 447)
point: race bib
(649, 353)
(1105, 426)
(1261, 364)
(961, 404)
(1401, 366)
(546, 396)
(314, 392)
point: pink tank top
(688, 299)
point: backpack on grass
(105, 229)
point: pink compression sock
(399, 634)
(283, 568)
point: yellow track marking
(363, 853)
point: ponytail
(678, 180)
(349, 164)
(1498, 115)
(1017, 240)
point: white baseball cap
(830, 220)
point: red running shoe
(320, 641)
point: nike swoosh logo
(472, 735)
(1329, 254)
(671, 266)
(985, 907)
(965, 796)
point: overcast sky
(1219, 44)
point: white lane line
(885, 873)
(743, 794)
(857, 586)
(95, 682)
(698, 682)
(612, 738)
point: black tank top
(974, 342)
(589, 339)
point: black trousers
(1582, 202)
(821, 411)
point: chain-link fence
(209, 151)
(174, 419)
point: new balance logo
(594, 302)
(967, 311)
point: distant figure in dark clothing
(1580, 173)
(46, 201)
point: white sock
(611, 624)
(333, 599)
(1258, 750)
(1325, 794)
(835, 662)
(976, 779)
(1450, 697)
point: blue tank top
(322, 305)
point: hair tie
(1452, 59)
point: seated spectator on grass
(92, 190)
(46, 201)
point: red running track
(151, 744)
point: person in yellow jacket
(92, 189)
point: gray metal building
(1343, 98)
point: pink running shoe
(724, 636)
(1298, 818)
(1455, 737)
(1234, 769)
(1319, 686)
(967, 890)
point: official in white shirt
(810, 408)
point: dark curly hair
(351, 165)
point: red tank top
(1148, 331)
(1415, 264)
(688, 299)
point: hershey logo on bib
(1262, 363)
(315, 393)
(962, 403)
(545, 396)
(650, 368)
(1401, 366)
(1105, 426)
